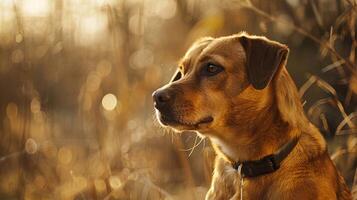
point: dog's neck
(252, 137)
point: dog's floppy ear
(263, 59)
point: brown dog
(236, 91)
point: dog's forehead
(195, 50)
(224, 47)
(228, 47)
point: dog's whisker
(204, 143)
(195, 145)
(190, 149)
(172, 137)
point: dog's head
(217, 79)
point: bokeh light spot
(109, 102)
(115, 182)
(31, 146)
(19, 38)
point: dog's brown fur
(256, 109)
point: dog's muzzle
(163, 102)
(162, 99)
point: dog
(236, 91)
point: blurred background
(76, 77)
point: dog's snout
(162, 97)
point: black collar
(267, 164)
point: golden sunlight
(78, 120)
(6, 3)
(109, 102)
(35, 8)
(91, 27)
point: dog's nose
(161, 97)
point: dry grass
(76, 117)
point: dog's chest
(223, 147)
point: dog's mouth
(190, 125)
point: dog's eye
(177, 76)
(211, 70)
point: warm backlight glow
(91, 28)
(6, 3)
(109, 102)
(35, 8)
